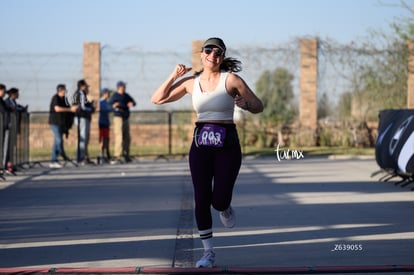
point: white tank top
(213, 105)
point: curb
(216, 270)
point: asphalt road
(311, 212)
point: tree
(382, 83)
(276, 91)
(404, 27)
(344, 105)
(324, 106)
(376, 69)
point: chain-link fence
(37, 75)
(341, 68)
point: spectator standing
(60, 121)
(83, 120)
(3, 106)
(11, 101)
(104, 125)
(14, 124)
(121, 101)
(5, 113)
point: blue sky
(63, 25)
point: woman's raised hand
(180, 70)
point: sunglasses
(217, 52)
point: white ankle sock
(206, 237)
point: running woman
(215, 154)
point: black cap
(120, 83)
(81, 83)
(215, 41)
(60, 87)
(12, 91)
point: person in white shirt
(215, 154)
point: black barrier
(394, 150)
(2, 118)
(161, 134)
(14, 141)
(154, 133)
(22, 152)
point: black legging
(222, 165)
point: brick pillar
(92, 67)
(308, 90)
(410, 77)
(195, 55)
(196, 63)
(92, 75)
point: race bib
(211, 135)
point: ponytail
(229, 64)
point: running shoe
(55, 165)
(228, 217)
(116, 161)
(207, 260)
